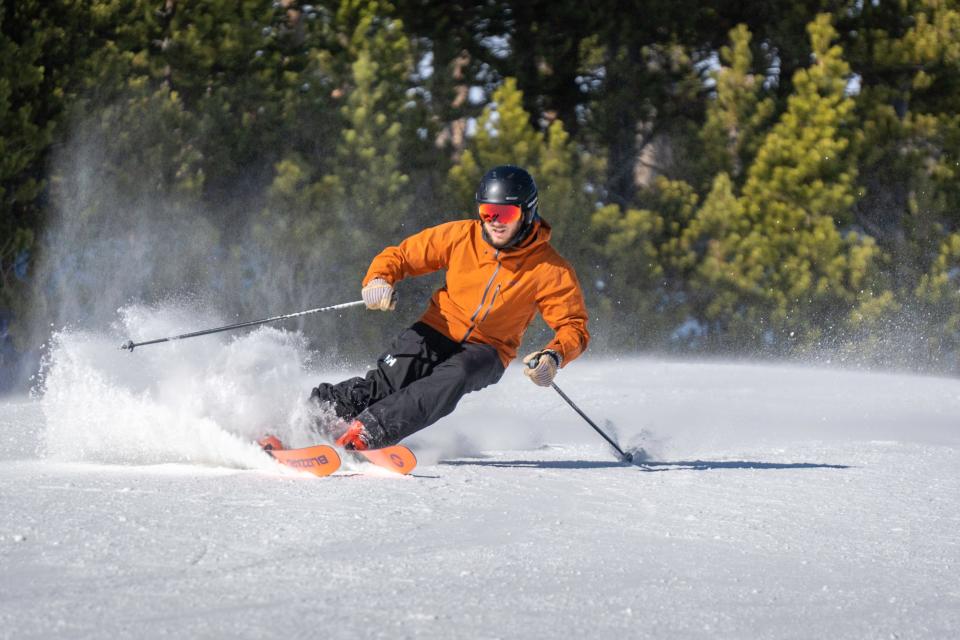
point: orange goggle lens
(503, 213)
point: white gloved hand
(542, 367)
(379, 294)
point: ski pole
(626, 457)
(131, 344)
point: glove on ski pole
(543, 370)
(379, 294)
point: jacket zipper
(486, 290)
(490, 306)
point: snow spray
(204, 403)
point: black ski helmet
(508, 184)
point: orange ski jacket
(492, 295)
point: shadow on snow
(680, 465)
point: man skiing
(500, 270)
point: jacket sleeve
(419, 254)
(561, 304)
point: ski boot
(355, 437)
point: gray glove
(379, 294)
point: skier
(500, 270)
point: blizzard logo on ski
(389, 360)
(396, 460)
(310, 462)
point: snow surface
(775, 502)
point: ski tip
(397, 458)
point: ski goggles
(502, 213)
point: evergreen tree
(643, 299)
(369, 181)
(25, 133)
(909, 63)
(40, 44)
(798, 275)
(569, 178)
(938, 294)
(719, 222)
(739, 113)
(504, 135)
(327, 217)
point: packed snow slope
(775, 502)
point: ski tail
(320, 460)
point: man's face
(500, 233)
(500, 221)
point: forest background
(772, 179)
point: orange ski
(397, 458)
(320, 460)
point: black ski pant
(418, 380)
